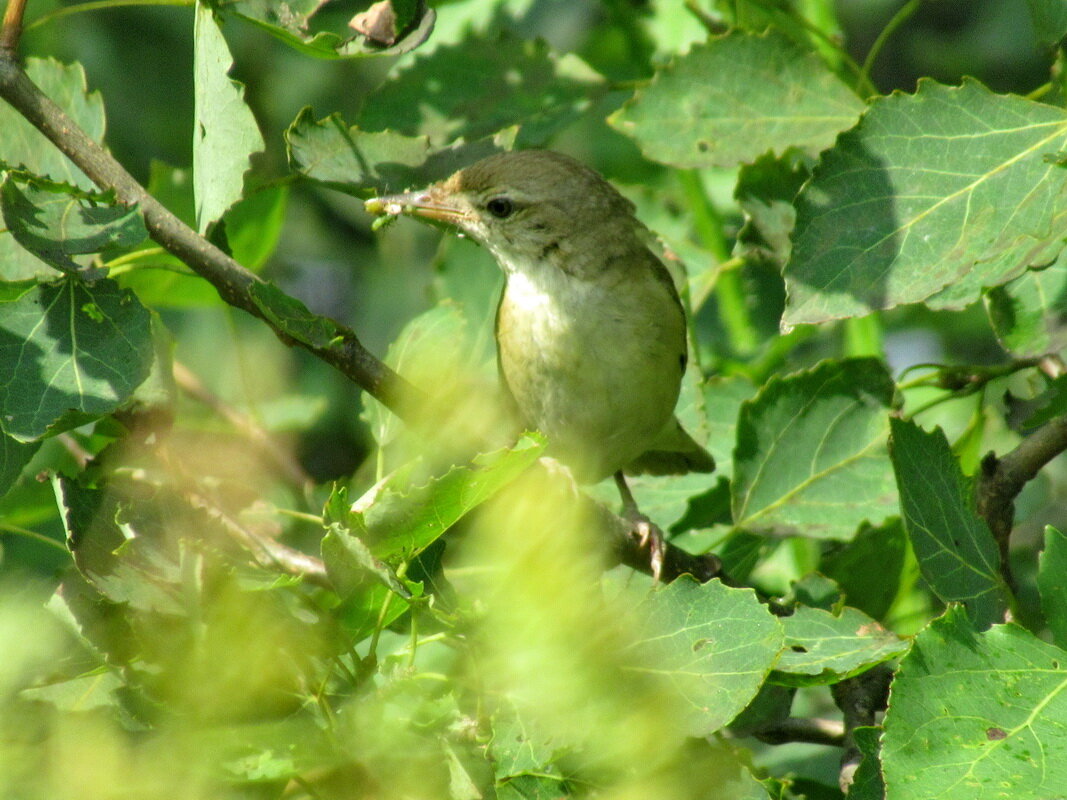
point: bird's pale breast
(595, 364)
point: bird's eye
(500, 207)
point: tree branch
(1002, 479)
(12, 28)
(627, 547)
(829, 732)
(236, 285)
(860, 699)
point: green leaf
(290, 22)
(823, 648)
(1029, 314)
(868, 568)
(532, 787)
(401, 521)
(724, 397)
(254, 225)
(360, 162)
(1052, 567)
(430, 350)
(291, 316)
(70, 351)
(932, 197)
(765, 192)
(22, 145)
(1050, 20)
(977, 716)
(225, 134)
(733, 99)
(1050, 403)
(124, 569)
(82, 694)
(715, 644)
(56, 222)
(348, 560)
(473, 89)
(811, 452)
(14, 455)
(867, 783)
(672, 30)
(956, 552)
(517, 748)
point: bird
(590, 328)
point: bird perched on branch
(590, 331)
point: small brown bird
(591, 336)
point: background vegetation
(232, 568)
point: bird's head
(530, 205)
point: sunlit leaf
(14, 455)
(735, 98)
(225, 134)
(811, 452)
(932, 197)
(402, 521)
(290, 22)
(480, 86)
(821, 647)
(22, 145)
(714, 644)
(358, 161)
(976, 716)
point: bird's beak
(430, 203)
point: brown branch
(266, 551)
(631, 552)
(860, 699)
(829, 732)
(235, 284)
(1002, 479)
(12, 28)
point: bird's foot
(649, 537)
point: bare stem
(1003, 478)
(12, 28)
(860, 699)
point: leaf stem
(100, 5)
(729, 291)
(37, 537)
(863, 336)
(890, 28)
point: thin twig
(902, 15)
(12, 28)
(266, 551)
(1002, 479)
(191, 384)
(860, 699)
(830, 732)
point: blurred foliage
(226, 573)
